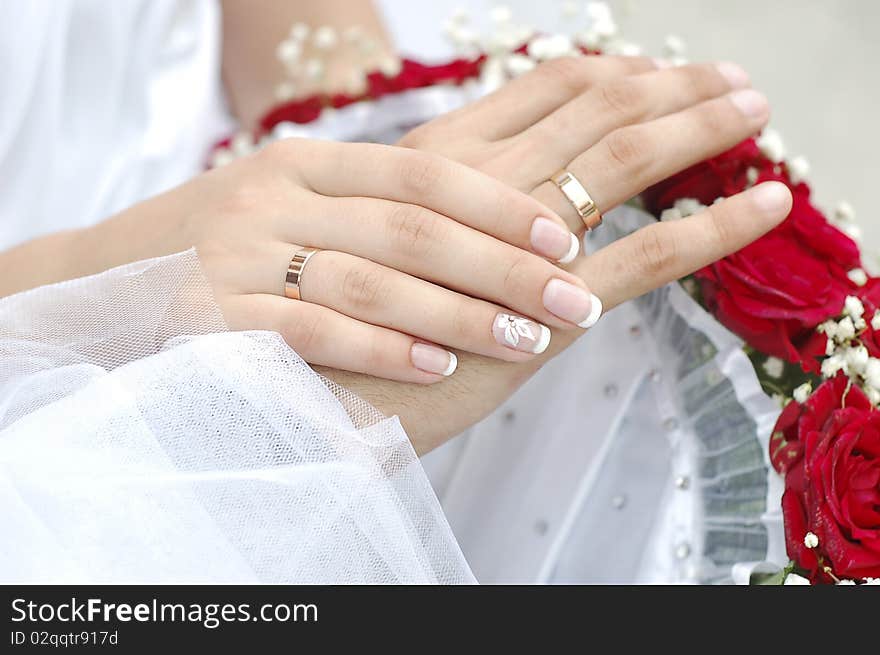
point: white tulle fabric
(142, 442)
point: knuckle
(362, 286)
(702, 81)
(303, 333)
(461, 324)
(629, 148)
(244, 198)
(713, 120)
(420, 174)
(519, 271)
(569, 72)
(417, 138)
(412, 229)
(281, 151)
(657, 250)
(377, 356)
(622, 97)
(722, 229)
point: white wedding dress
(141, 441)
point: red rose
(829, 451)
(774, 293)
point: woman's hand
(394, 275)
(620, 125)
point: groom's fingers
(632, 158)
(622, 101)
(527, 99)
(663, 252)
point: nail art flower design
(515, 327)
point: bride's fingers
(470, 197)
(622, 101)
(663, 252)
(632, 158)
(417, 241)
(382, 296)
(528, 98)
(323, 337)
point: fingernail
(735, 75)
(595, 313)
(432, 359)
(521, 333)
(553, 241)
(771, 197)
(571, 303)
(750, 102)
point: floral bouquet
(810, 316)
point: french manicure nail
(519, 333)
(735, 75)
(749, 102)
(432, 359)
(595, 313)
(553, 241)
(569, 302)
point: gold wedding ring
(579, 198)
(295, 272)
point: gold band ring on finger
(579, 198)
(295, 271)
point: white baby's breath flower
(325, 38)
(832, 365)
(774, 367)
(872, 581)
(771, 145)
(845, 582)
(872, 373)
(795, 579)
(856, 359)
(390, 66)
(875, 320)
(873, 395)
(589, 39)
(798, 169)
(544, 48)
(299, 31)
(689, 206)
(803, 392)
(828, 327)
(671, 214)
(830, 348)
(501, 14)
(673, 46)
(858, 276)
(221, 157)
(242, 144)
(519, 64)
(752, 175)
(811, 540)
(853, 307)
(846, 329)
(844, 212)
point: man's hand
(620, 125)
